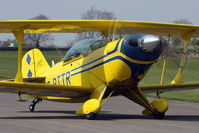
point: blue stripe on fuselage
(99, 64)
(136, 69)
(107, 54)
(132, 66)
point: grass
(8, 61)
(190, 74)
(8, 64)
(8, 69)
(187, 95)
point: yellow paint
(19, 37)
(95, 77)
(186, 39)
(139, 62)
(143, 101)
(108, 97)
(146, 112)
(38, 64)
(180, 86)
(98, 93)
(165, 59)
(92, 105)
(47, 97)
(104, 26)
(161, 105)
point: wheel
(91, 116)
(158, 115)
(32, 107)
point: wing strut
(164, 65)
(165, 59)
(19, 37)
(186, 39)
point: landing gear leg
(34, 102)
(91, 107)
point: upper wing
(104, 26)
(170, 87)
(43, 89)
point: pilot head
(74, 53)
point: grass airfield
(8, 69)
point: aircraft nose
(142, 47)
(150, 42)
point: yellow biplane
(96, 69)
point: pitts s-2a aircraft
(94, 69)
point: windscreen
(80, 48)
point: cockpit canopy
(83, 47)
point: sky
(135, 10)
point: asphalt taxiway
(118, 115)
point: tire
(91, 116)
(158, 115)
(32, 107)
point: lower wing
(42, 89)
(170, 87)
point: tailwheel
(158, 115)
(32, 107)
(91, 116)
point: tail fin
(34, 64)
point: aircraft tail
(34, 64)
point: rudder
(34, 64)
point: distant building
(13, 45)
